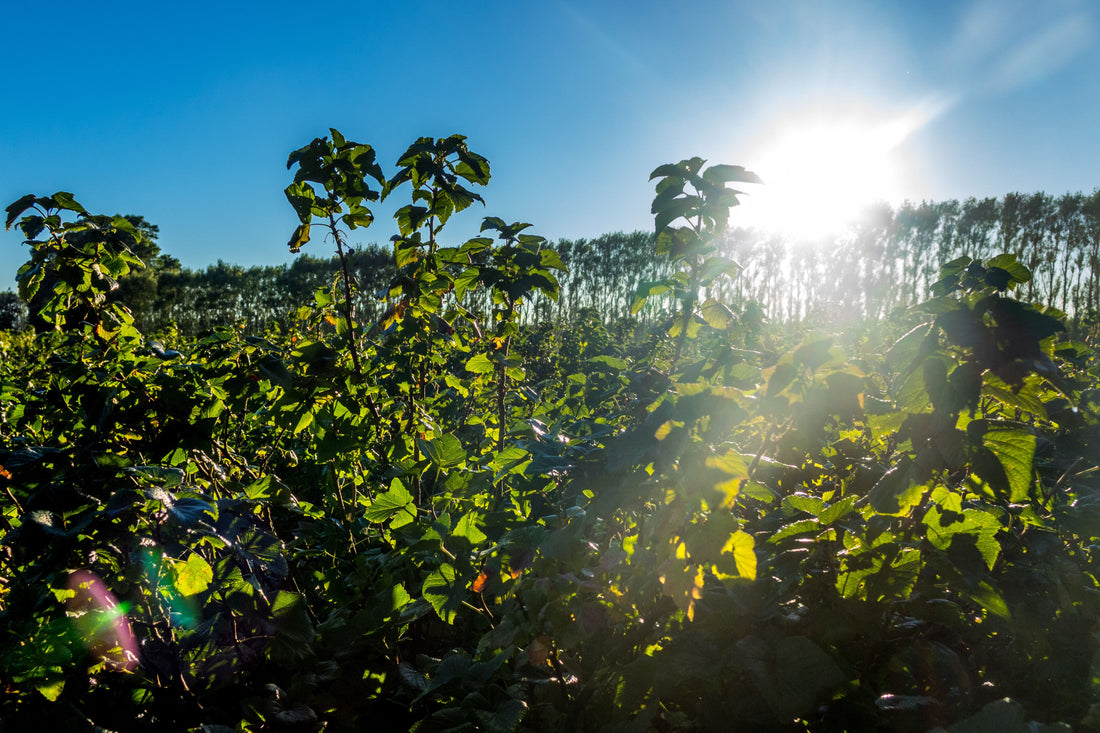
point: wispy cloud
(999, 47)
(1037, 56)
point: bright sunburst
(819, 175)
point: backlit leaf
(717, 315)
(193, 576)
(742, 545)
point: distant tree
(13, 312)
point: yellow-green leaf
(742, 545)
(730, 463)
(717, 315)
(729, 489)
(51, 690)
(666, 428)
(193, 576)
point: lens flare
(101, 622)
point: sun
(822, 174)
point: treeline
(224, 294)
(886, 260)
(891, 257)
(603, 275)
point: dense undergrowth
(450, 521)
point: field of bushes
(454, 487)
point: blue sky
(185, 112)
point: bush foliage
(443, 516)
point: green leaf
(792, 676)
(294, 631)
(912, 396)
(673, 210)
(550, 259)
(396, 501)
(445, 451)
(715, 266)
(683, 584)
(511, 460)
(838, 510)
(717, 315)
(65, 200)
(301, 197)
(190, 512)
(398, 597)
(273, 369)
(1015, 449)
(259, 490)
(193, 576)
(905, 350)
(444, 593)
(722, 174)
(814, 353)
(1000, 716)
(18, 207)
(983, 526)
(467, 527)
(782, 375)
(811, 505)
(304, 421)
(989, 598)
(646, 290)
(480, 364)
(299, 238)
(508, 458)
(794, 529)
(608, 364)
(896, 491)
(1017, 271)
(1027, 396)
(804, 672)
